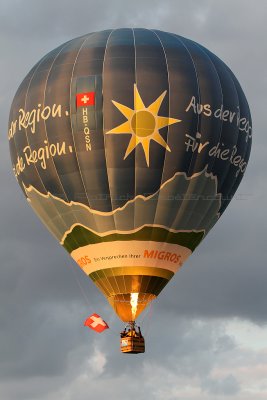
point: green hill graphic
(81, 236)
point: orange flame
(134, 302)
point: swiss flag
(96, 323)
(85, 99)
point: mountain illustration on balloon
(152, 218)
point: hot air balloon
(129, 144)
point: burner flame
(134, 302)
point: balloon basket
(132, 340)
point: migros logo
(163, 255)
(83, 261)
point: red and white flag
(85, 99)
(96, 323)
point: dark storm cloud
(45, 353)
(226, 275)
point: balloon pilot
(131, 329)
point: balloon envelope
(129, 144)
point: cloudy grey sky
(207, 333)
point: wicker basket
(132, 345)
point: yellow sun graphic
(143, 123)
